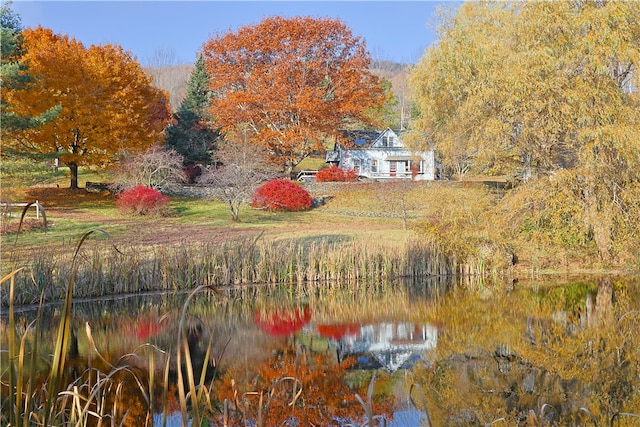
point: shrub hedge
(336, 174)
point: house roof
(361, 138)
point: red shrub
(332, 174)
(351, 175)
(142, 200)
(336, 174)
(282, 195)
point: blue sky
(393, 30)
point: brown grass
(464, 218)
(66, 198)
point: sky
(172, 32)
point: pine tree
(197, 99)
(191, 135)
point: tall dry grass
(121, 393)
(105, 270)
(52, 396)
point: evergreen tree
(197, 99)
(191, 134)
(13, 76)
(11, 28)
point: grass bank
(480, 228)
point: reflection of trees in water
(95, 310)
(498, 353)
(567, 350)
(295, 382)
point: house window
(390, 141)
(374, 165)
(385, 141)
(356, 165)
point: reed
(198, 393)
(102, 269)
(96, 268)
(368, 405)
(422, 403)
(50, 398)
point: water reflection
(284, 321)
(478, 352)
(385, 345)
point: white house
(382, 155)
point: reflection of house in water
(391, 346)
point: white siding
(366, 157)
(388, 150)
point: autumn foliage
(545, 93)
(109, 106)
(336, 174)
(293, 88)
(142, 200)
(323, 393)
(282, 195)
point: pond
(539, 352)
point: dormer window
(387, 141)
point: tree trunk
(600, 223)
(73, 168)
(604, 300)
(235, 211)
(288, 169)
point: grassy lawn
(366, 211)
(461, 217)
(70, 214)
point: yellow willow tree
(446, 82)
(109, 107)
(544, 90)
(293, 82)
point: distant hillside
(398, 75)
(173, 79)
(388, 69)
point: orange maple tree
(293, 82)
(109, 106)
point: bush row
(274, 195)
